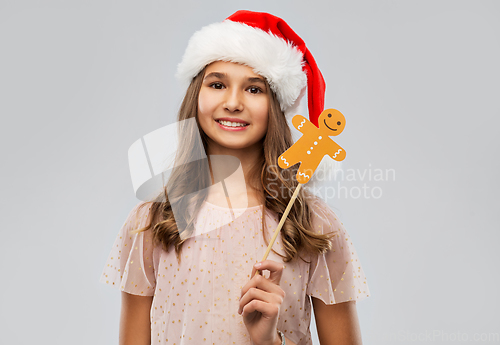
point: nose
(233, 101)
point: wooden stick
(280, 225)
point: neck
(221, 167)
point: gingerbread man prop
(314, 143)
(309, 150)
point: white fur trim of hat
(268, 55)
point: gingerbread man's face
(331, 122)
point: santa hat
(268, 45)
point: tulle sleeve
(129, 266)
(336, 276)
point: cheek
(262, 114)
(204, 113)
(205, 104)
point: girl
(245, 75)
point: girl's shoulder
(323, 218)
(319, 207)
(130, 266)
(140, 213)
(141, 208)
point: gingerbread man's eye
(338, 123)
(329, 115)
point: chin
(234, 146)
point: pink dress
(196, 301)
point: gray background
(418, 82)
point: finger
(259, 282)
(255, 270)
(262, 283)
(275, 269)
(255, 294)
(268, 310)
(250, 283)
(261, 289)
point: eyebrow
(224, 76)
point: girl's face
(233, 106)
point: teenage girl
(190, 279)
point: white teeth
(231, 124)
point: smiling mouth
(232, 124)
(324, 121)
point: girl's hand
(260, 303)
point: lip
(231, 129)
(231, 119)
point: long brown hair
(190, 176)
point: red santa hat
(268, 45)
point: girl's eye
(255, 89)
(216, 85)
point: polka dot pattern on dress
(196, 301)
